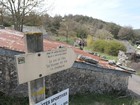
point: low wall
(83, 78)
(80, 78)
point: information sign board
(32, 66)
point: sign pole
(36, 88)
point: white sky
(122, 12)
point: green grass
(79, 99)
(7, 100)
(96, 99)
(108, 57)
(63, 39)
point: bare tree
(18, 9)
(126, 33)
(103, 34)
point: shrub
(114, 47)
(6, 24)
(108, 47)
(99, 45)
(89, 41)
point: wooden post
(36, 88)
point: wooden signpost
(36, 88)
(34, 65)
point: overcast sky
(122, 12)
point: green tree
(33, 19)
(55, 24)
(114, 29)
(81, 31)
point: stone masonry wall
(83, 78)
(7, 73)
(80, 78)
(8, 77)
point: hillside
(137, 31)
(73, 26)
(81, 26)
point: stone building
(84, 76)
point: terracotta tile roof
(14, 40)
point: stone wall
(84, 77)
(7, 52)
(8, 77)
(8, 74)
(80, 78)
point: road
(134, 84)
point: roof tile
(14, 40)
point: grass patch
(7, 100)
(108, 57)
(88, 49)
(79, 99)
(63, 39)
(96, 99)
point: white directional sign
(61, 98)
(35, 65)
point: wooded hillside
(79, 26)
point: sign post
(34, 65)
(36, 88)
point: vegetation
(7, 100)
(17, 10)
(138, 73)
(108, 46)
(126, 33)
(70, 25)
(107, 56)
(79, 99)
(103, 34)
(90, 42)
(96, 99)
(113, 48)
(64, 39)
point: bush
(89, 41)
(114, 47)
(99, 45)
(108, 47)
(6, 24)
